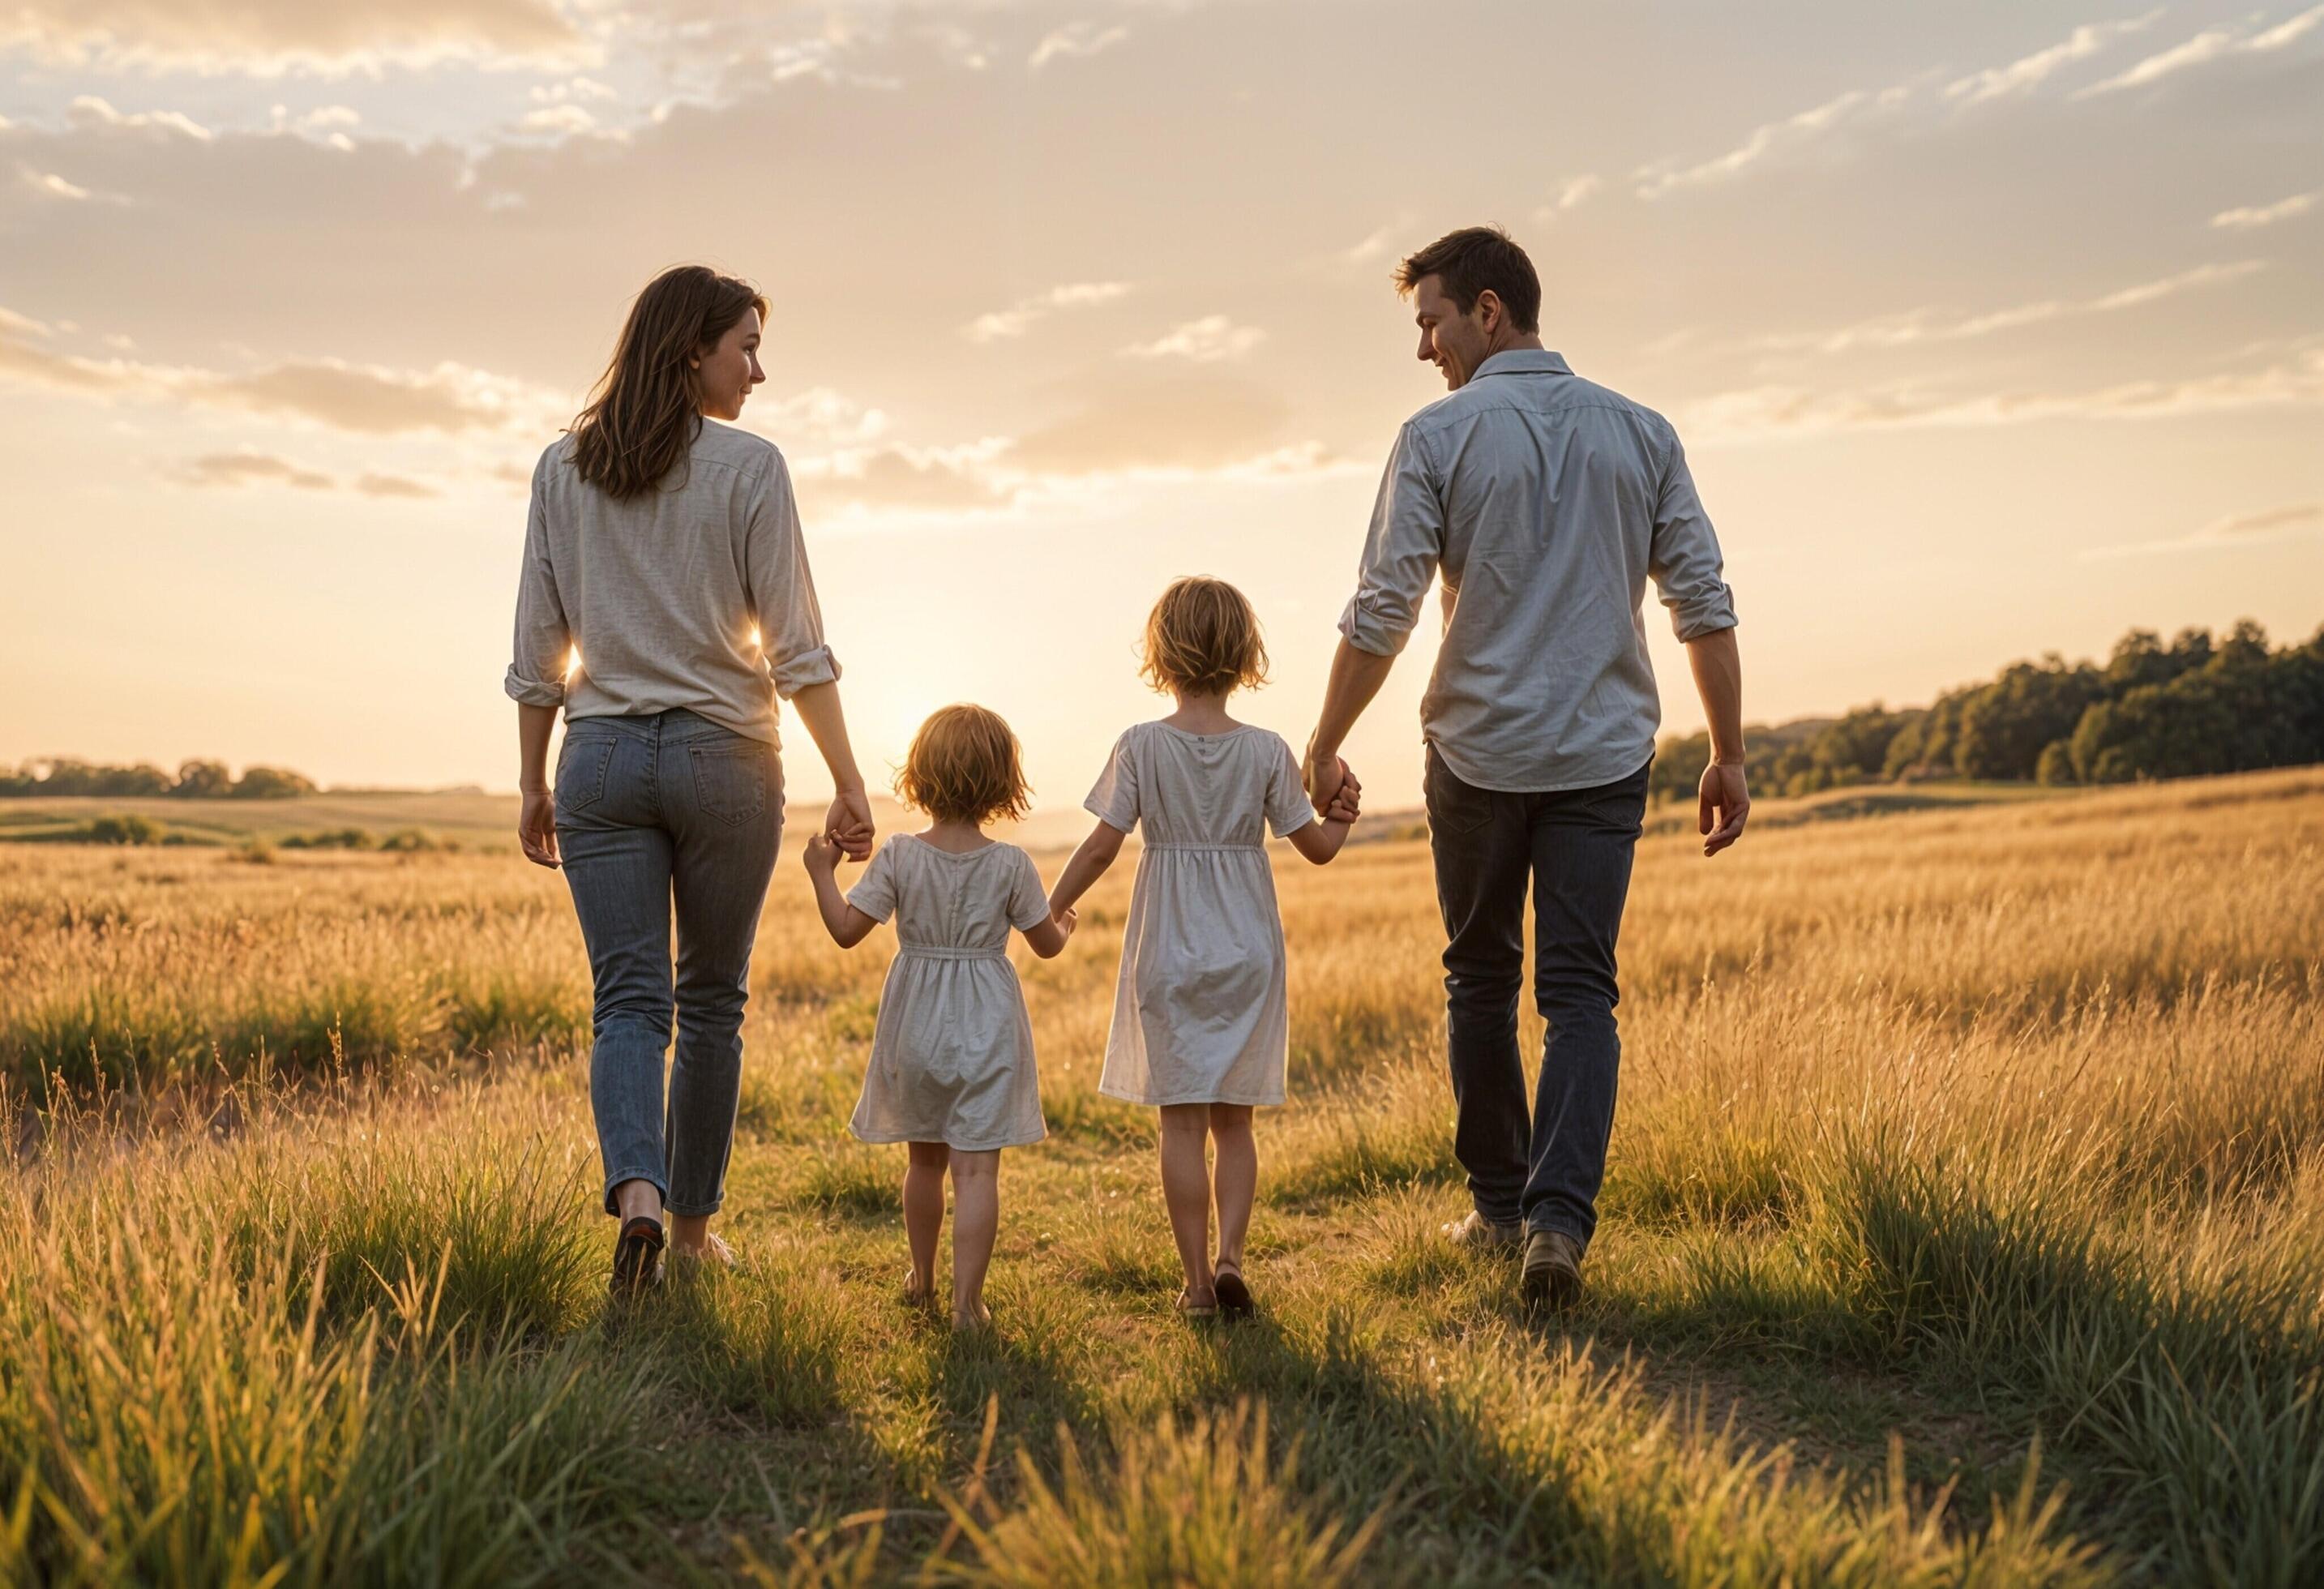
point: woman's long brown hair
(647, 407)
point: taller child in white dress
(1200, 1029)
(951, 1052)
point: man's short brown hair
(1473, 260)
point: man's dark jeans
(1575, 847)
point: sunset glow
(1991, 330)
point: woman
(664, 549)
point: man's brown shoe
(1482, 1234)
(1552, 1281)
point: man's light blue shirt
(1545, 503)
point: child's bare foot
(1192, 1303)
(977, 1317)
(714, 1253)
(919, 1292)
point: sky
(1990, 328)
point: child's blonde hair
(966, 766)
(1203, 639)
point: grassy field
(1965, 1224)
(466, 820)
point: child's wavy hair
(1203, 639)
(966, 766)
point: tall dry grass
(1964, 1223)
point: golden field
(1964, 1223)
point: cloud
(54, 185)
(2211, 44)
(2267, 215)
(1076, 38)
(1375, 245)
(1929, 325)
(1663, 176)
(1204, 341)
(396, 485)
(89, 110)
(2030, 71)
(819, 416)
(269, 37)
(906, 478)
(1014, 320)
(251, 468)
(2251, 529)
(568, 118)
(572, 90)
(1778, 412)
(1573, 191)
(360, 398)
(1179, 420)
(368, 399)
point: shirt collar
(1523, 361)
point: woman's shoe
(637, 1257)
(1234, 1296)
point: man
(1547, 502)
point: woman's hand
(536, 827)
(848, 824)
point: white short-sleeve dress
(1199, 1014)
(951, 1051)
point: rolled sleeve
(1401, 550)
(782, 589)
(544, 639)
(1684, 559)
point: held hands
(1333, 787)
(536, 827)
(848, 826)
(1067, 920)
(1724, 803)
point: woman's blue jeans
(654, 813)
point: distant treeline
(2194, 706)
(195, 780)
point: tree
(203, 780)
(2243, 710)
(271, 783)
(2004, 726)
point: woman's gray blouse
(662, 595)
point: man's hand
(848, 824)
(536, 827)
(1324, 774)
(1725, 802)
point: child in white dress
(951, 1052)
(1200, 1029)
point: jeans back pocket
(1453, 807)
(730, 780)
(581, 769)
